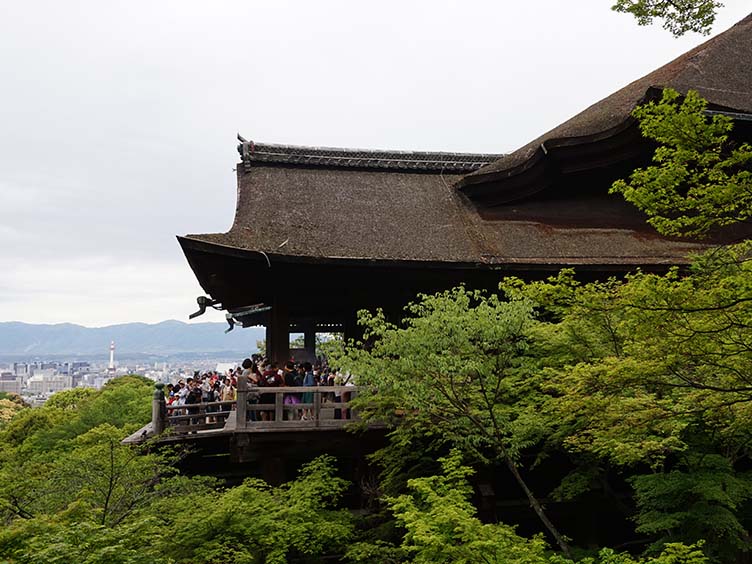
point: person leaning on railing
(228, 393)
(253, 375)
(192, 400)
(213, 396)
(308, 381)
(291, 378)
(270, 378)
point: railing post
(158, 410)
(316, 406)
(241, 420)
(345, 399)
(278, 406)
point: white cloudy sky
(118, 119)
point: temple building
(320, 233)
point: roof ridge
(426, 161)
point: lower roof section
(537, 246)
(329, 213)
(333, 288)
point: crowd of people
(219, 391)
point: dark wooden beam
(278, 332)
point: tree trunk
(537, 507)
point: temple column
(351, 328)
(309, 338)
(278, 333)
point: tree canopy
(700, 179)
(678, 16)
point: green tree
(678, 16)
(654, 372)
(698, 498)
(10, 405)
(700, 180)
(36, 446)
(441, 527)
(458, 368)
(256, 523)
(113, 480)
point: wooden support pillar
(317, 406)
(273, 470)
(278, 406)
(158, 410)
(278, 333)
(241, 406)
(351, 328)
(309, 338)
(241, 449)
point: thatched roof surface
(324, 212)
(719, 70)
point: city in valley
(36, 380)
(39, 360)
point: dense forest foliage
(642, 386)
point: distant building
(43, 372)
(100, 381)
(9, 383)
(10, 386)
(47, 383)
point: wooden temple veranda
(320, 233)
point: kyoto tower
(111, 366)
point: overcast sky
(118, 119)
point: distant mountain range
(161, 339)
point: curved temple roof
(441, 212)
(353, 205)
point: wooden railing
(267, 408)
(198, 416)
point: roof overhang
(237, 278)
